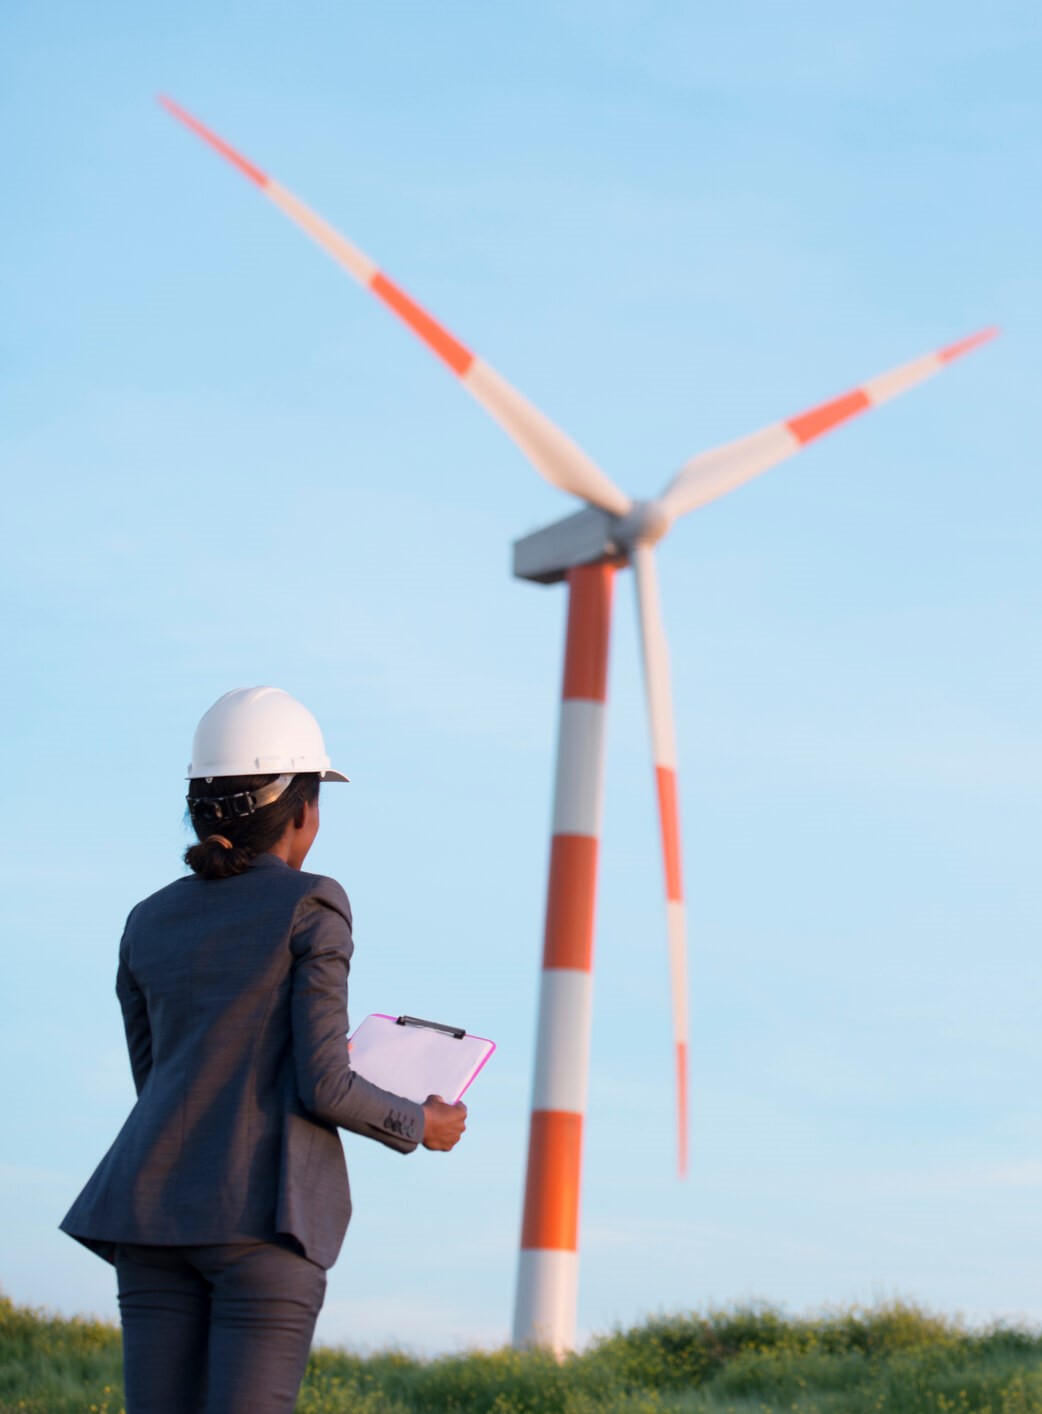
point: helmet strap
(241, 804)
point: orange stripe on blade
(551, 1218)
(666, 780)
(437, 339)
(821, 419)
(589, 629)
(682, 1107)
(965, 345)
(236, 159)
(570, 903)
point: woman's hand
(442, 1124)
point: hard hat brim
(334, 776)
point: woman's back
(234, 994)
(212, 962)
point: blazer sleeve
(135, 1017)
(328, 1087)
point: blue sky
(226, 465)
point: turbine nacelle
(588, 537)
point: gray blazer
(234, 997)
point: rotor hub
(645, 523)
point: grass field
(894, 1359)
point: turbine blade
(550, 450)
(712, 474)
(664, 757)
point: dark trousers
(216, 1330)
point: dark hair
(224, 807)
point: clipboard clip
(457, 1032)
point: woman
(225, 1197)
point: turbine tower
(584, 550)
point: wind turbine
(585, 549)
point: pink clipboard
(417, 1058)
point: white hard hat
(254, 731)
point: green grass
(895, 1358)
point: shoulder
(324, 892)
(169, 897)
(322, 918)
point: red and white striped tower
(547, 1282)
